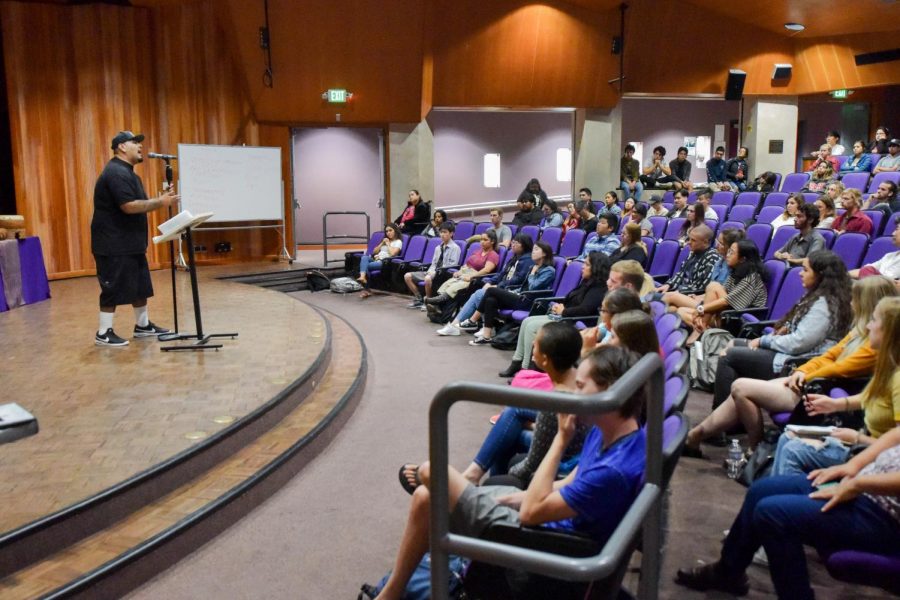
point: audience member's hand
(819, 404)
(796, 381)
(753, 344)
(567, 424)
(835, 473)
(589, 338)
(512, 500)
(663, 288)
(845, 435)
(845, 491)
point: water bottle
(735, 459)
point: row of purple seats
(567, 279)
(794, 182)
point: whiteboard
(236, 183)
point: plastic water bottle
(735, 459)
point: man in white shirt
(888, 265)
(704, 197)
(833, 139)
(891, 162)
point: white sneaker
(479, 334)
(448, 329)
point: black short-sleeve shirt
(113, 231)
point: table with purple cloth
(29, 283)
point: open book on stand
(172, 228)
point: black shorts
(123, 279)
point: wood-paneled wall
(76, 75)
(829, 64)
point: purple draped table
(35, 286)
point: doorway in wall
(337, 169)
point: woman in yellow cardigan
(853, 356)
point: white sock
(141, 316)
(106, 322)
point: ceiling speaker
(782, 71)
(734, 88)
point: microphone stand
(173, 335)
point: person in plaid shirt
(694, 273)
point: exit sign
(337, 96)
(840, 94)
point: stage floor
(106, 414)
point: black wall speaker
(734, 89)
(872, 58)
(781, 71)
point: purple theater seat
(481, 228)
(668, 197)
(769, 213)
(742, 213)
(864, 568)
(552, 236)
(731, 225)
(35, 286)
(464, 230)
(810, 197)
(675, 394)
(760, 234)
(829, 236)
(427, 254)
(651, 244)
(794, 182)
(572, 243)
(842, 158)
(878, 249)
(674, 228)
(512, 228)
(776, 199)
(725, 199)
(880, 177)
(748, 199)
(659, 226)
(663, 262)
(850, 247)
(674, 341)
(858, 181)
(675, 361)
(666, 325)
(692, 198)
(720, 211)
(657, 310)
(878, 221)
(789, 294)
(3, 305)
(777, 184)
(532, 231)
(781, 237)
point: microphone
(162, 156)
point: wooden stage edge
(114, 418)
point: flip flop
(404, 481)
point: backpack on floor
(507, 337)
(317, 281)
(704, 358)
(442, 313)
(419, 586)
(345, 285)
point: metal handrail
(644, 513)
(485, 206)
(326, 237)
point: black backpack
(317, 281)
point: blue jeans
(793, 456)
(506, 438)
(367, 263)
(626, 190)
(779, 515)
(470, 306)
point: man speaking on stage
(119, 240)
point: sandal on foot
(405, 483)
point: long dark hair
(554, 208)
(525, 241)
(832, 283)
(548, 253)
(492, 235)
(599, 268)
(691, 223)
(752, 262)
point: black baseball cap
(126, 136)
(894, 142)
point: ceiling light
(794, 26)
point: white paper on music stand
(172, 228)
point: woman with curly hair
(816, 323)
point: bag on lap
(316, 281)
(705, 358)
(345, 285)
(419, 586)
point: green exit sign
(337, 96)
(840, 94)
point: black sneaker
(151, 330)
(417, 302)
(109, 339)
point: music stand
(184, 230)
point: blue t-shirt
(720, 272)
(605, 485)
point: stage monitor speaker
(734, 89)
(781, 71)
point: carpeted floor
(337, 524)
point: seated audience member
(610, 205)
(583, 301)
(629, 175)
(388, 247)
(880, 401)
(853, 219)
(527, 214)
(891, 162)
(833, 139)
(588, 218)
(880, 144)
(481, 262)
(884, 198)
(737, 170)
(632, 248)
(693, 274)
(860, 511)
(616, 302)
(628, 210)
(606, 241)
(815, 324)
(638, 216)
(495, 299)
(656, 207)
(437, 220)
(715, 172)
(533, 188)
(635, 330)
(888, 265)
(704, 197)
(446, 255)
(806, 241)
(765, 183)
(859, 161)
(657, 173)
(681, 170)
(592, 499)
(573, 219)
(586, 195)
(556, 352)
(679, 206)
(834, 191)
(824, 155)
(743, 289)
(694, 219)
(825, 206)
(415, 216)
(513, 277)
(502, 231)
(794, 202)
(724, 241)
(552, 216)
(822, 176)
